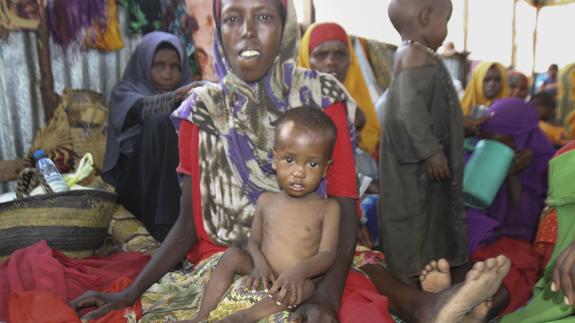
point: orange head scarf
(474, 91)
(354, 81)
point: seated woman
(226, 139)
(488, 83)
(555, 291)
(141, 150)
(508, 225)
(326, 47)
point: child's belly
(283, 255)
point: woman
(226, 144)
(326, 47)
(141, 151)
(508, 225)
(566, 99)
(548, 304)
(488, 83)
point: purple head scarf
(516, 118)
(136, 83)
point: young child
(545, 104)
(294, 233)
(421, 160)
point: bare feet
(452, 304)
(436, 276)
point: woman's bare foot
(436, 276)
(452, 304)
(479, 313)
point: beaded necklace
(420, 45)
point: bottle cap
(38, 154)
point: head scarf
(474, 91)
(136, 83)
(354, 81)
(566, 99)
(519, 119)
(242, 114)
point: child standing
(294, 232)
(421, 160)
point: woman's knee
(235, 255)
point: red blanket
(38, 274)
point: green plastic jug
(485, 172)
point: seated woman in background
(508, 225)
(326, 47)
(142, 146)
(488, 83)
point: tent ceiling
(541, 3)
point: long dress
(548, 306)
(421, 219)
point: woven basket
(74, 222)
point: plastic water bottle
(48, 169)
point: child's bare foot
(452, 304)
(436, 276)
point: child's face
(251, 35)
(437, 28)
(300, 159)
(519, 88)
(331, 57)
(491, 83)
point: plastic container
(485, 172)
(50, 172)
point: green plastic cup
(485, 172)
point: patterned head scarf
(354, 81)
(242, 114)
(474, 91)
(566, 99)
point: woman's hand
(437, 167)
(288, 288)
(105, 303)
(564, 274)
(261, 275)
(523, 158)
(472, 125)
(182, 92)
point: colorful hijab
(136, 83)
(474, 91)
(566, 99)
(354, 81)
(516, 118)
(239, 117)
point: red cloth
(40, 268)
(360, 300)
(45, 307)
(327, 31)
(525, 268)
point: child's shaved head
(404, 14)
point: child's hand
(262, 274)
(437, 167)
(288, 288)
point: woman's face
(492, 83)
(251, 32)
(332, 57)
(166, 70)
